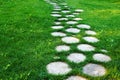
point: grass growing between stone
(26, 45)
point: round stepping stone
(76, 57)
(61, 19)
(58, 34)
(70, 40)
(70, 16)
(94, 70)
(66, 6)
(62, 48)
(65, 11)
(76, 78)
(57, 27)
(83, 26)
(85, 47)
(72, 30)
(101, 57)
(63, 4)
(79, 10)
(57, 9)
(55, 12)
(71, 22)
(91, 39)
(58, 68)
(56, 15)
(56, 57)
(77, 19)
(89, 32)
(103, 50)
(57, 23)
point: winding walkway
(66, 26)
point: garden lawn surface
(26, 45)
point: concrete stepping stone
(85, 47)
(83, 26)
(89, 32)
(55, 12)
(94, 70)
(57, 27)
(56, 15)
(101, 57)
(70, 15)
(79, 10)
(71, 22)
(63, 19)
(76, 78)
(62, 48)
(66, 6)
(58, 68)
(77, 19)
(63, 4)
(58, 34)
(56, 57)
(76, 57)
(57, 9)
(72, 30)
(65, 11)
(70, 40)
(57, 23)
(91, 39)
(103, 50)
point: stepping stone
(91, 39)
(77, 19)
(63, 4)
(58, 68)
(85, 47)
(55, 12)
(70, 16)
(94, 70)
(65, 11)
(63, 19)
(56, 15)
(57, 23)
(79, 10)
(103, 50)
(83, 26)
(70, 40)
(72, 30)
(57, 9)
(62, 48)
(76, 78)
(101, 57)
(89, 32)
(57, 27)
(76, 57)
(58, 34)
(56, 57)
(71, 22)
(66, 6)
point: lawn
(26, 46)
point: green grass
(26, 46)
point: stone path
(64, 15)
